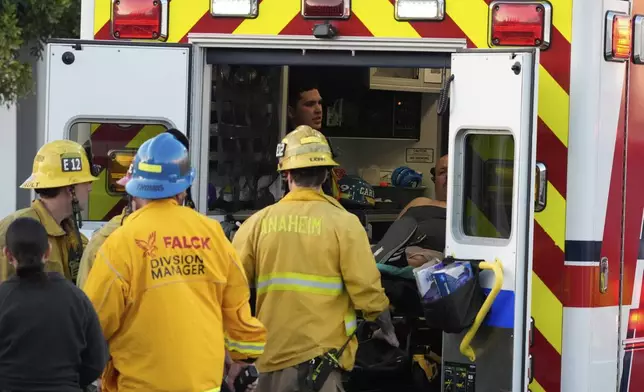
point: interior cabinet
(421, 80)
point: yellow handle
(497, 267)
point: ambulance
(533, 98)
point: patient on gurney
(430, 218)
(416, 238)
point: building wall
(30, 128)
(8, 125)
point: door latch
(516, 68)
(531, 333)
(540, 187)
(603, 275)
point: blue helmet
(406, 177)
(161, 169)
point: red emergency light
(522, 23)
(617, 46)
(326, 9)
(140, 19)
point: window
(488, 176)
(113, 146)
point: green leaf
(30, 21)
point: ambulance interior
(377, 117)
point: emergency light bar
(234, 8)
(617, 45)
(140, 19)
(326, 9)
(524, 23)
(420, 10)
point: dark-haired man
(305, 108)
(305, 105)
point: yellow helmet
(304, 147)
(57, 164)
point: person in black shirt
(50, 336)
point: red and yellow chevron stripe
(465, 19)
(107, 137)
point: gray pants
(286, 380)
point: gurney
(415, 365)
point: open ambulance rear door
(115, 96)
(492, 144)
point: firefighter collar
(51, 226)
(153, 204)
(310, 195)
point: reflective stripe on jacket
(171, 294)
(312, 265)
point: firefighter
(99, 237)
(62, 177)
(305, 108)
(168, 287)
(312, 267)
(89, 255)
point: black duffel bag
(456, 312)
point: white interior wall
(357, 154)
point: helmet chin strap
(187, 201)
(78, 224)
(128, 208)
(76, 210)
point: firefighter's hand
(387, 332)
(234, 370)
(389, 337)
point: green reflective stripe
(350, 322)
(244, 347)
(291, 281)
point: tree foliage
(28, 23)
